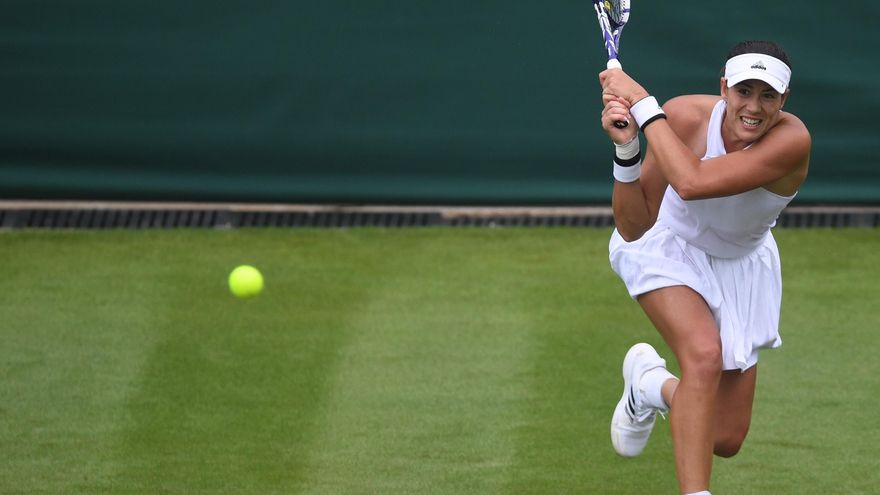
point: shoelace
(633, 403)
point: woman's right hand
(617, 109)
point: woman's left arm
(780, 156)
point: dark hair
(765, 47)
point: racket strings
(618, 12)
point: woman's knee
(702, 361)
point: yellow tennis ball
(245, 282)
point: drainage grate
(107, 219)
(533, 220)
(103, 218)
(44, 215)
(831, 217)
(331, 219)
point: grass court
(396, 361)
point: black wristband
(654, 118)
(628, 162)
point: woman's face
(752, 109)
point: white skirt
(743, 293)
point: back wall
(390, 101)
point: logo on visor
(759, 65)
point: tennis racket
(612, 15)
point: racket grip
(613, 63)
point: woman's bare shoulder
(688, 116)
(789, 133)
(691, 108)
(791, 121)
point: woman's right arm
(636, 204)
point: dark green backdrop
(479, 101)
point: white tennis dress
(723, 249)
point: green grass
(441, 361)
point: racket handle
(613, 63)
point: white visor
(769, 69)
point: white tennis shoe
(633, 420)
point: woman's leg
(688, 327)
(733, 409)
(736, 392)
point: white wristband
(628, 150)
(628, 160)
(627, 174)
(646, 110)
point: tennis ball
(245, 282)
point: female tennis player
(693, 246)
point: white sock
(651, 385)
(704, 492)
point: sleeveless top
(726, 227)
